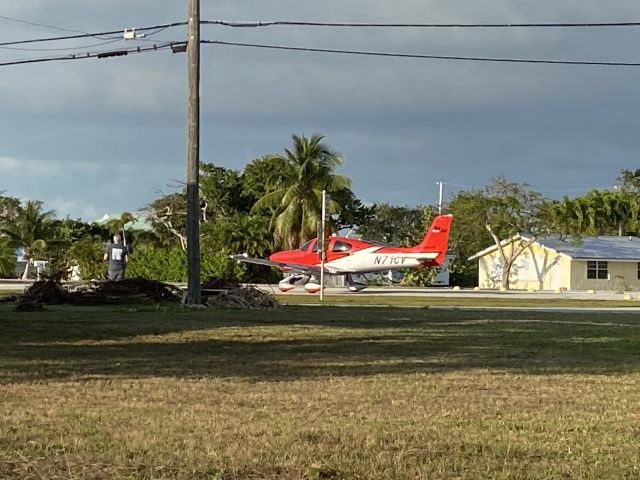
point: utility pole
(193, 155)
(440, 198)
(321, 241)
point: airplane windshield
(305, 245)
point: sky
(96, 136)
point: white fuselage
(372, 260)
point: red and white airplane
(349, 256)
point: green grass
(318, 392)
(365, 299)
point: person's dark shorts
(115, 275)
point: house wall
(622, 276)
(537, 268)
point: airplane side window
(340, 246)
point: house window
(597, 269)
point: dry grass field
(160, 392)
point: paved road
(18, 285)
(14, 285)
(434, 292)
(630, 306)
(449, 292)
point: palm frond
(270, 200)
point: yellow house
(550, 263)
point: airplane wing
(289, 267)
(295, 267)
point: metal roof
(588, 248)
(596, 248)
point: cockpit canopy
(336, 246)
(305, 246)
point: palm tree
(30, 231)
(576, 216)
(116, 225)
(7, 257)
(620, 209)
(295, 198)
(599, 212)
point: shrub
(170, 264)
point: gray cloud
(111, 133)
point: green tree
(263, 176)
(421, 276)
(239, 234)
(513, 208)
(221, 192)
(221, 196)
(399, 225)
(118, 224)
(468, 234)
(629, 180)
(168, 216)
(599, 212)
(9, 208)
(504, 209)
(87, 253)
(296, 199)
(619, 211)
(30, 231)
(66, 247)
(7, 257)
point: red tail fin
(436, 238)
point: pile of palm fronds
(248, 297)
(216, 292)
(101, 293)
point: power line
(106, 42)
(56, 39)
(422, 56)
(25, 49)
(96, 35)
(253, 24)
(18, 20)
(317, 50)
(82, 56)
(158, 29)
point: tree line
(275, 203)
